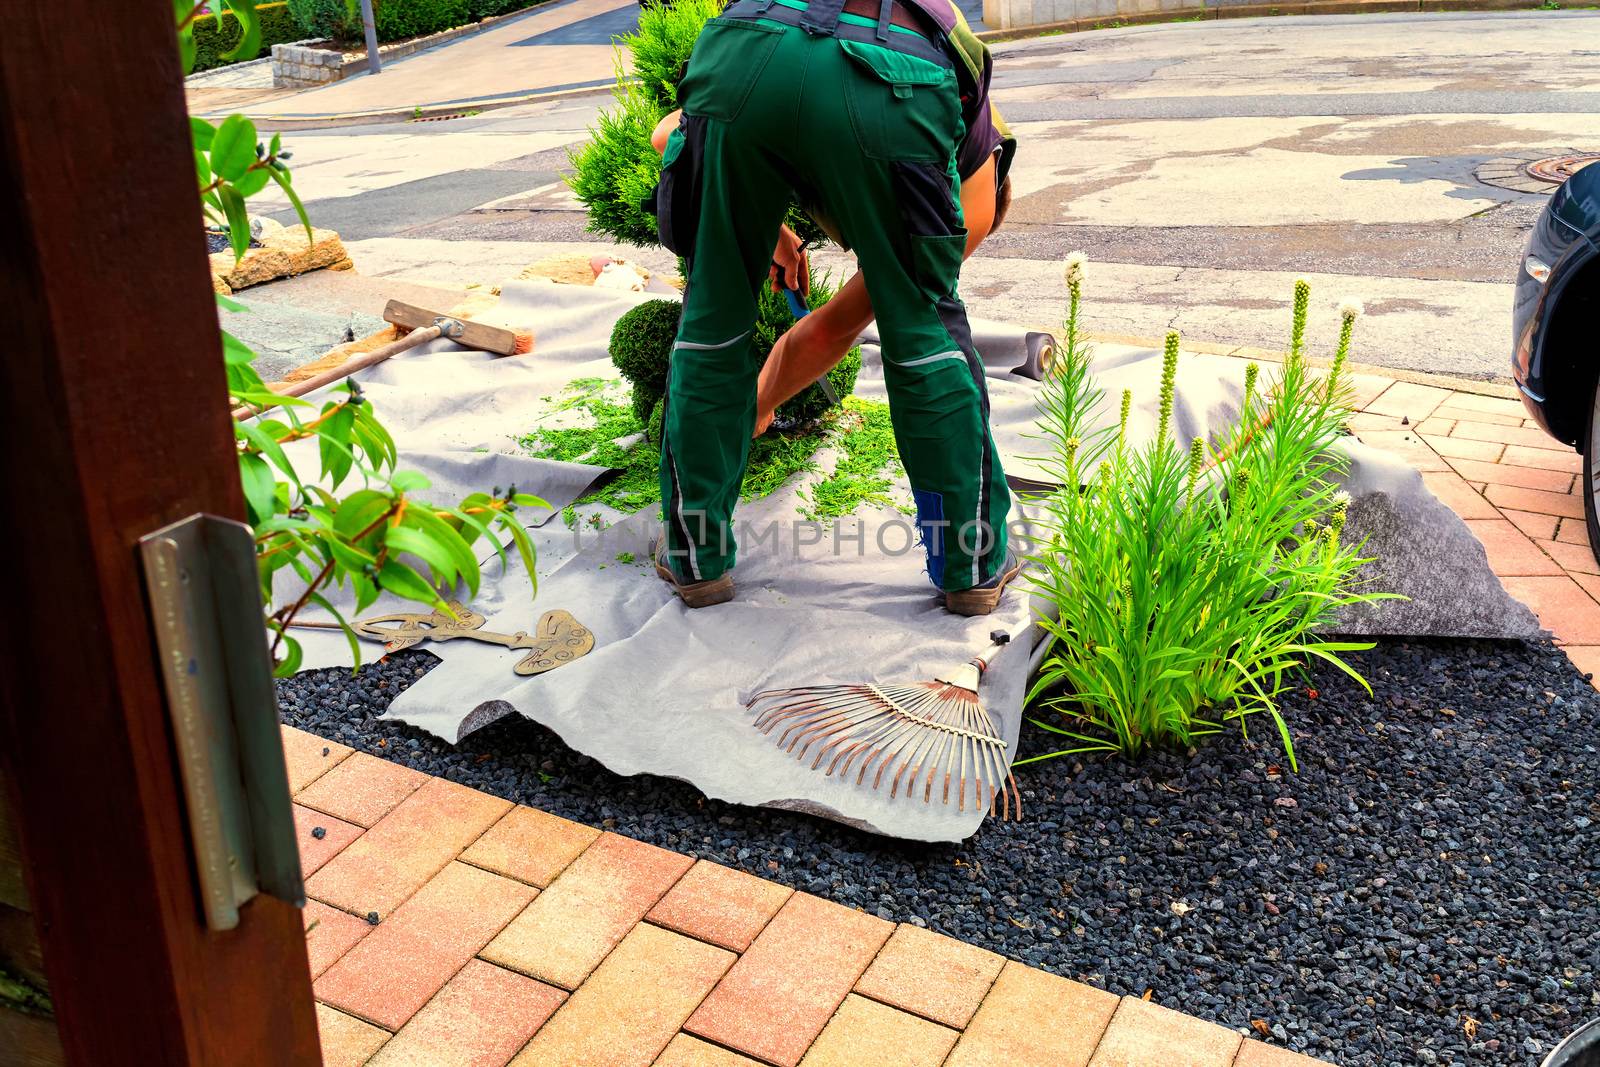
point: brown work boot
(982, 599)
(717, 590)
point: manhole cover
(1557, 169)
(1533, 172)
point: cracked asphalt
(1201, 165)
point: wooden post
(111, 425)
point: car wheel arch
(1569, 351)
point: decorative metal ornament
(558, 638)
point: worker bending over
(876, 117)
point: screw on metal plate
(205, 609)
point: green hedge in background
(414, 18)
(327, 18)
(396, 19)
(213, 36)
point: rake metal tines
(918, 735)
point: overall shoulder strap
(821, 17)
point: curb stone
(1206, 12)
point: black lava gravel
(1423, 891)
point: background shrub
(397, 19)
(618, 167)
(1189, 584)
(338, 19)
(482, 9)
(215, 36)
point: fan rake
(920, 736)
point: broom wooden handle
(347, 368)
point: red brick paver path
(510, 936)
(506, 935)
(1517, 489)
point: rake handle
(999, 639)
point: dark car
(1557, 326)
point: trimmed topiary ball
(641, 344)
(645, 401)
(652, 428)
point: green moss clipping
(610, 436)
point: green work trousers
(867, 133)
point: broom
(915, 734)
(413, 326)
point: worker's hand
(790, 266)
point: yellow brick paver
(720, 905)
(530, 846)
(411, 844)
(633, 1004)
(479, 1019)
(308, 757)
(865, 1031)
(931, 975)
(1034, 1019)
(1143, 1034)
(399, 967)
(361, 789)
(687, 1051)
(569, 929)
(1256, 1054)
(346, 1041)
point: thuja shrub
(1190, 582)
(617, 168)
(661, 47)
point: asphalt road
(1201, 165)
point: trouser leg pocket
(675, 201)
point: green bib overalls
(861, 120)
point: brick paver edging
(1517, 489)
(1204, 11)
(505, 935)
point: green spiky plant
(1190, 581)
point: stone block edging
(1015, 19)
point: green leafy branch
(380, 538)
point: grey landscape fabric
(664, 690)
